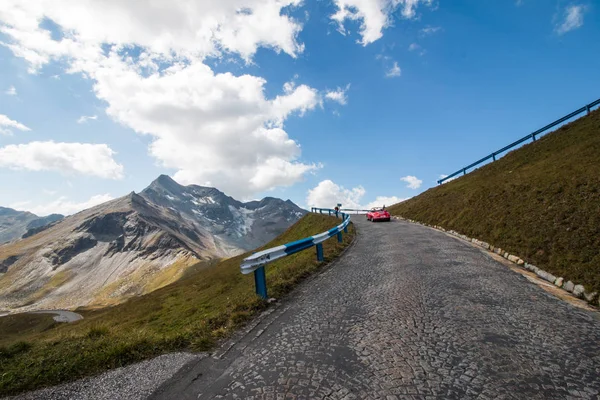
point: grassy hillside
(540, 202)
(193, 313)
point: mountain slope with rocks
(14, 224)
(133, 245)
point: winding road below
(409, 313)
(60, 315)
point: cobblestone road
(409, 313)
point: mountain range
(15, 224)
(133, 245)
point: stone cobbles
(410, 313)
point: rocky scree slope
(540, 202)
(15, 224)
(133, 245)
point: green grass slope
(540, 202)
(190, 314)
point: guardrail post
(587, 108)
(320, 252)
(260, 281)
(464, 171)
(533, 137)
(339, 235)
(494, 156)
(329, 212)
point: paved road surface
(60, 315)
(408, 313)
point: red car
(378, 214)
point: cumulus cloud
(69, 158)
(190, 29)
(84, 118)
(62, 205)
(374, 15)
(6, 124)
(381, 201)
(147, 62)
(413, 47)
(442, 176)
(571, 20)
(11, 91)
(338, 95)
(217, 128)
(412, 182)
(327, 194)
(394, 71)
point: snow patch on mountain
(243, 220)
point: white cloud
(338, 95)
(84, 118)
(430, 30)
(327, 194)
(80, 158)
(6, 124)
(386, 201)
(394, 71)
(11, 91)
(212, 127)
(374, 15)
(412, 182)
(413, 47)
(146, 61)
(572, 19)
(191, 29)
(442, 176)
(62, 205)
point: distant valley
(132, 245)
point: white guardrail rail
(257, 261)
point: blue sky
(351, 101)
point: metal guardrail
(586, 108)
(257, 261)
(350, 211)
(333, 212)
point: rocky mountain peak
(118, 248)
(165, 183)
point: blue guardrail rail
(257, 261)
(587, 108)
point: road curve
(408, 313)
(59, 315)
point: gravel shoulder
(134, 382)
